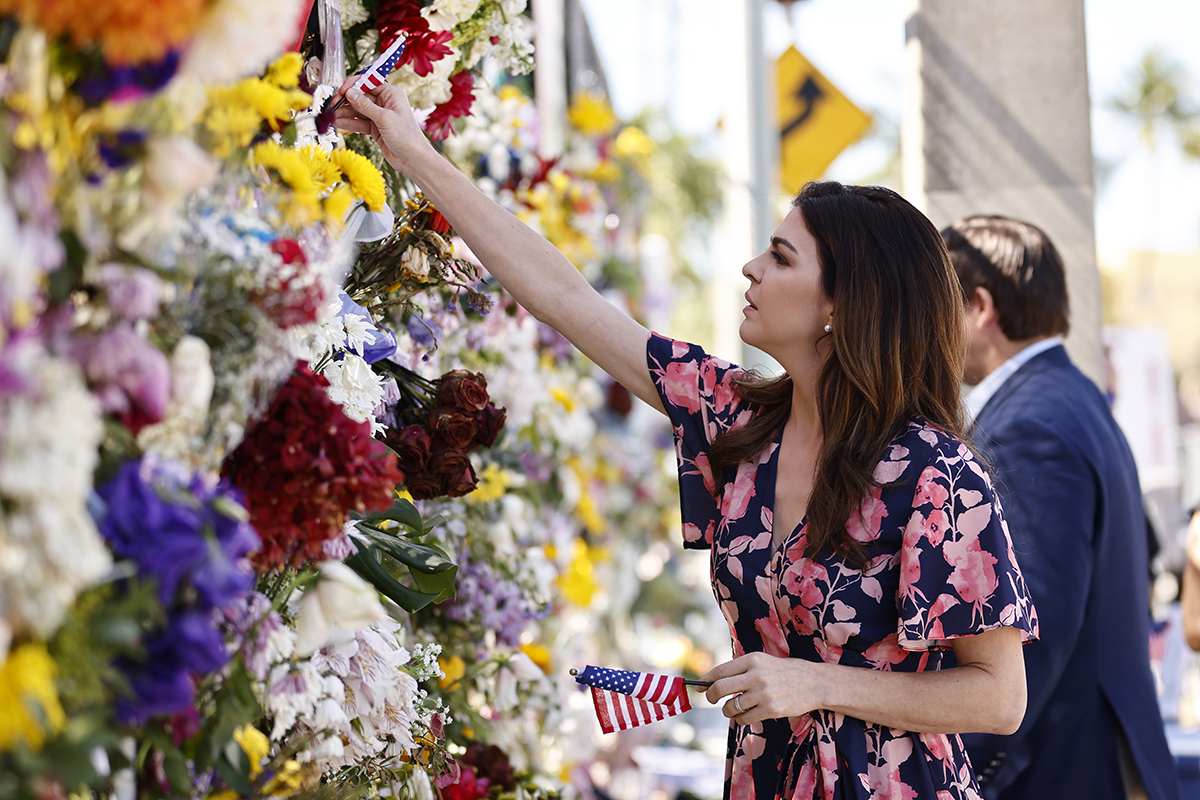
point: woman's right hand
(385, 115)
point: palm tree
(1157, 97)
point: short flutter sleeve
(700, 400)
(958, 573)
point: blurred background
(738, 80)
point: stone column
(996, 121)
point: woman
(857, 550)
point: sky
(667, 53)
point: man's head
(1014, 284)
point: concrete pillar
(749, 212)
(996, 120)
(550, 74)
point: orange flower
(128, 31)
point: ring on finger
(737, 704)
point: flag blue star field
(377, 73)
(625, 699)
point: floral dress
(941, 566)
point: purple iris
(189, 535)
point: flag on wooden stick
(626, 699)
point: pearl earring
(829, 329)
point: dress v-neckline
(774, 548)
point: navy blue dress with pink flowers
(941, 567)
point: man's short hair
(1017, 263)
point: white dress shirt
(983, 391)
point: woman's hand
(766, 687)
(985, 693)
(385, 115)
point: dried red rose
(491, 422)
(411, 445)
(460, 484)
(454, 427)
(462, 389)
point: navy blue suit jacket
(1069, 489)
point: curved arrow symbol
(808, 94)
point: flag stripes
(625, 699)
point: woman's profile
(858, 552)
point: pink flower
(974, 577)
(130, 376)
(679, 381)
(929, 490)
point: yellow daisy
(29, 706)
(365, 180)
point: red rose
(490, 423)
(454, 427)
(411, 445)
(449, 462)
(424, 485)
(462, 389)
(461, 484)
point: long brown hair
(898, 350)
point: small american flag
(377, 73)
(627, 699)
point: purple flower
(422, 331)
(190, 535)
(130, 376)
(132, 293)
(179, 532)
(104, 81)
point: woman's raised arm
(531, 269)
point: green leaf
(402, 511)
(235, 769)
(443, 583)
(365, 564)
(419, 557)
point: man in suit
(1068, 485)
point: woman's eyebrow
(778, 241)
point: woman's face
(787, 308)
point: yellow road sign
(816, 121)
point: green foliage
(388, 555)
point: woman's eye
(779, 259)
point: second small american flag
(626, 699)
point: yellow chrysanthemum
(29, 706)
(256, 746)
(285, 72)
(293, 172)
(365, 180)
(231, 128)
(324, 172)
(494, 481)
(577, 581)
(591, 114)
(128, 31)
(633, 143)
(337, 204)
(453, 669)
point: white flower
(49, 546)
(238, 37)
(352, 12)
(414, 264)
(418, 782)
(430, 90)
(445, 14)
(293, 694)
(340, 597)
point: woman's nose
(750, 270)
